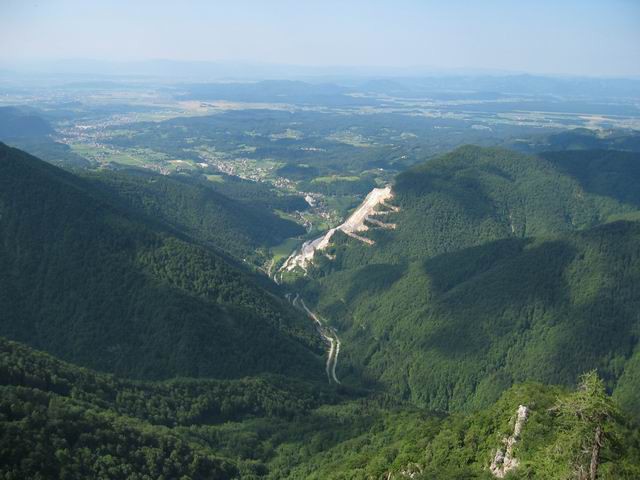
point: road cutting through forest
(328, 334)
(356, 222)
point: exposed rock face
(310, 200)
(355, 223)
(504, 461)
(411, 471)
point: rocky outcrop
(504, 461)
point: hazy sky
(594, 37)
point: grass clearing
(284, 249)
(215, 178)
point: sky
(569, 37)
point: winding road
(328, 334)
(356, 222)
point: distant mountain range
(418, 80)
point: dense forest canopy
(330, 240)
(244, 229)
(502, 268)
(507, 277)
(97, 284)
(274, 427)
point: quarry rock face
(357, 222)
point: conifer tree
(584, 416)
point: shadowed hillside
(503, 268)
(97, 285)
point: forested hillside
(99, 426)
(503, 268)
(244, 229)
(272, 427)
(24, 128)
(506, 278)
(475, 195)
(16, 122)
(98, 285)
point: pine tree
(583, 417)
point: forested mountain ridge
(16, 122)
(503, 268)
(25, 128)
(198, 210)
(98, 285)
(473, 195)
(602, 173)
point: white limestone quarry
(355, 223)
